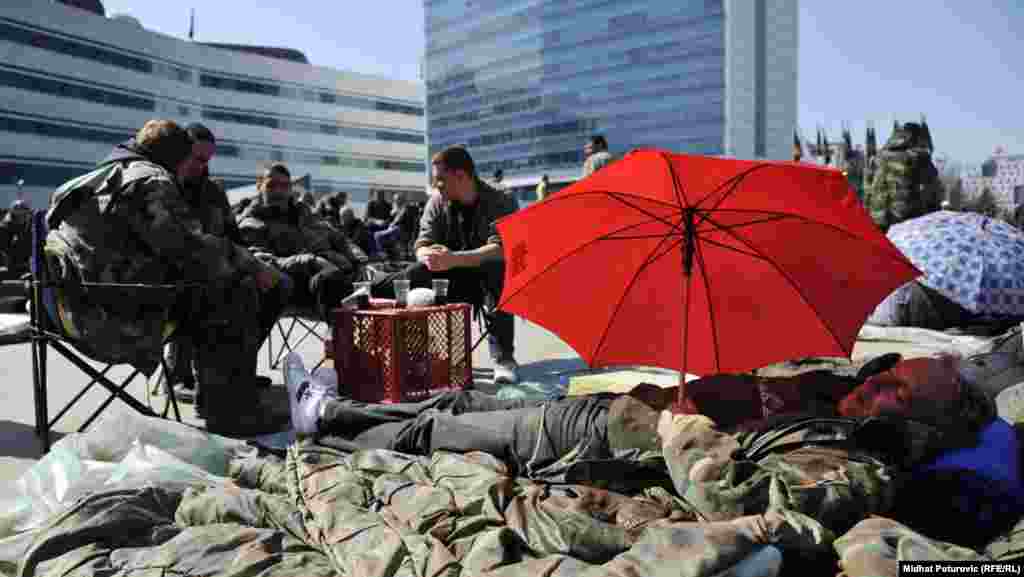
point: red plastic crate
(394, 355)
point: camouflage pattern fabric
(279, 234)
(210, 205)
(905, 183)
(723, 479)
(874, 548)
(149, 235)
(380, 513)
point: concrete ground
(544, 358)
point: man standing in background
(596, 154)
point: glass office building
(523, 83)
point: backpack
(104, 181)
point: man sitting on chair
(458, 241)
(284, 232)
(209, 204)
(145, 232)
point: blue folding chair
(49, 328)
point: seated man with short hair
(284, 232)
(458, 241)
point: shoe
(185, 393)
(306, 395)
(506, 372)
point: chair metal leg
(172, 397)
(39, 391)
(117, 393)
(286, 346)
(75, 399)
(103, 381)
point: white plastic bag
(124, 450)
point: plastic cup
(363, 301)
(440, 291)
(401, 293)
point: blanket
(168, 504)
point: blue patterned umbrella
(976, 261)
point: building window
(76, 91)
(220, 82)
(73, 48)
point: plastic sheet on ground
(965, 345)
(13, 328)
(123, 450)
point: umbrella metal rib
(791, 282)
(651, 259)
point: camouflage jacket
(144, 232)
(906, 185)
(210, 204)
(725, 476)
(290, 236)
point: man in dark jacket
(285, 233)
(458, 241)
(378, 211)
(16, 240)
(145, 232)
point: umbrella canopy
(974, 260)
(700, 264)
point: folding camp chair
(49, 329)
(296, 325)
(301, 325)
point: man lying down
(842, 452)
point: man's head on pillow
(923, 389)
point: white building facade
(73, 83)
(1003, 174)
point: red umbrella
(700, 264)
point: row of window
(707, 47)
(306, 94)
(111, 98)
(588, 32)
(311, 126)
(665, 128)
(47, 41)
(301, 157)
(76, 91)
(627, 90)
(40, 173)
(687, 106)
(228, 149)
(575, 157)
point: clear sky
(868, 60)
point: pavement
(545, 362)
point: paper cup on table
(401, 293)
(440, 291)
(362, 288)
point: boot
(233, 413)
